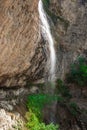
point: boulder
(21, 57)
(10, 121)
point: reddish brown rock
(21, 56)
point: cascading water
(46, 33)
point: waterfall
(46, 33)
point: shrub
(78, 72)
(34, 124)
(36, 102)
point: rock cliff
(22, 58)
(70, 23)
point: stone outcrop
(10, 98)
(10, 121)
(21, 57)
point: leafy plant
(36, 102)
(34, 124)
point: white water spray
(46, 32)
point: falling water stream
(46, 33)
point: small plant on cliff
(78, 72)
(34, 124)
(36, 102)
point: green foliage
(32, 119)
(73, 108)
(63, 89)
(36, 102)
(78, 72)
(34, 124)
(46, 3)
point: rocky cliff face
(70, 20)
(22, 57)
